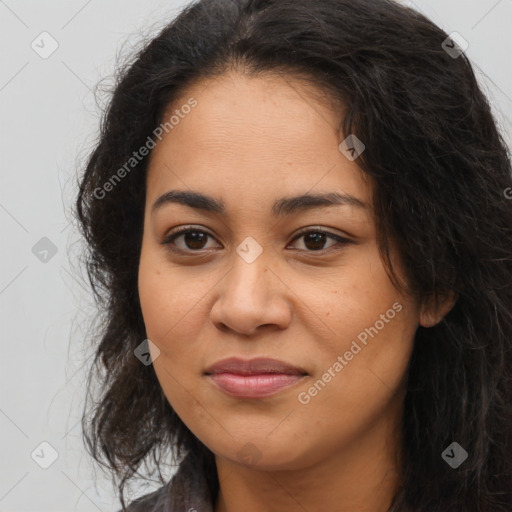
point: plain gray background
(49, 120)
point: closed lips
(258, 378)
(257, 366)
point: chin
(261, 454)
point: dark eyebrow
(289, 205)
(283, 206)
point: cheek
(171, 303)
(371, 326)
(168, 303)
(167, 298)
(353, 299)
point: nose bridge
(249, 272)
(247, 298)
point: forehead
(264, 135)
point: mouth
(255, 378)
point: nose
(250, 297)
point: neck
(361, 475)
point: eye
(315, 239)
(195, 240)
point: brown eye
(315, 240)
(190, 239)
(195, 239)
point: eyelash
(169, 239)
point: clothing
(187, 491)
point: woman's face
(262, 274)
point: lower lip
(254, 386)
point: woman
(299, 235)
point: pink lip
(255, 378)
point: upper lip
(255, 366)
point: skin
(249, 142)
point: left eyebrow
(290, 205)
(282, 207)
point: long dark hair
(441, 170)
